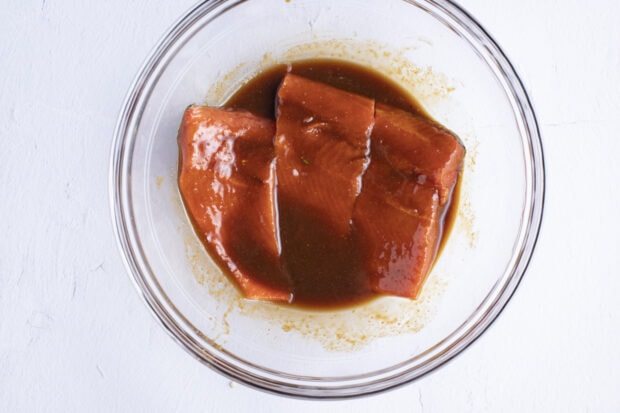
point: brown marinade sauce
(259, 94)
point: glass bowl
(455, 70)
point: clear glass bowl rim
(259, 377)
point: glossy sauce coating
(355, 215)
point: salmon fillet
(398, 215)
(227, 182)
(322, 145)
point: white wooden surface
(74, 334)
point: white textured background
(74, 334)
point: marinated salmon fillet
(322, 146)
(227, 171)
(415, 145)
(398, 215)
